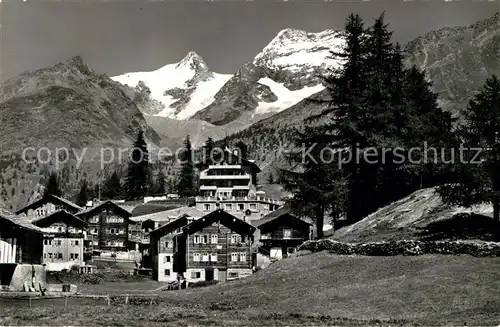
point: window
(229, 206)
(45, 242)
(235, 239)
(204, 239)
(253, 206)
(71, 256)
(233, 275)
(243, 257)
(287, 233)
(241, 207)
(234, 257)
(214, 239)
(204, 258)
(77, 243)
(45, 255)
(196, 239)
(60, 229)
(195, 274)
(59, 256)
(196, 257)
(206, 207)
(169, 244)
(50, 255)
(76, 255)
(167, 272)
(168, 258)
(213, 257)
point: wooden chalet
(20, 241)
(108, 225)
(164, 258)
(63, 243)
(281, 233)
(217, 246)
(48, 204)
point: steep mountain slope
(67, 105)
(285, 72)
(180, 89)
(421, 215)
(458, 59)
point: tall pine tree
(242, 149)
(83, 195)
(161, 183)
(208, 151)
(52, 186)
(112, 187)
(315, 180)
(347, 86)
(138, 169)
(477, 179)
(185, 185)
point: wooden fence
(80, 299)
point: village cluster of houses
(220, 237)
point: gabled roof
(170, 227)
(95, 210)
(283, 213)
(60, 216)
(226, 219)
(48, 198)
(19, 221)
(167, 215)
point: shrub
(203, 283)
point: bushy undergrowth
(73, 276)
(405, 247)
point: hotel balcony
(237, 198)
(224, 167)
(205, 176)
(224, 188)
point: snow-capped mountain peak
(292, 49)
(282, 74)
(193, 61)
(181, 88)
(291, 37)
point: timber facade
(281, 233)
(108, 226)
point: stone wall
(405, 247)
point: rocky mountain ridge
(177, 90)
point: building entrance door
(209, 274)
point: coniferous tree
(185, 185)
(242, 149)
(112, 188)
(83, 196)
(171, 185)
(318, 186)
(138, 169)
(476, 175)
(52, 186)
(270, 179)
(208, 151)
(347, 86)
(378, 105)
(161, 183)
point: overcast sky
(118, 37)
